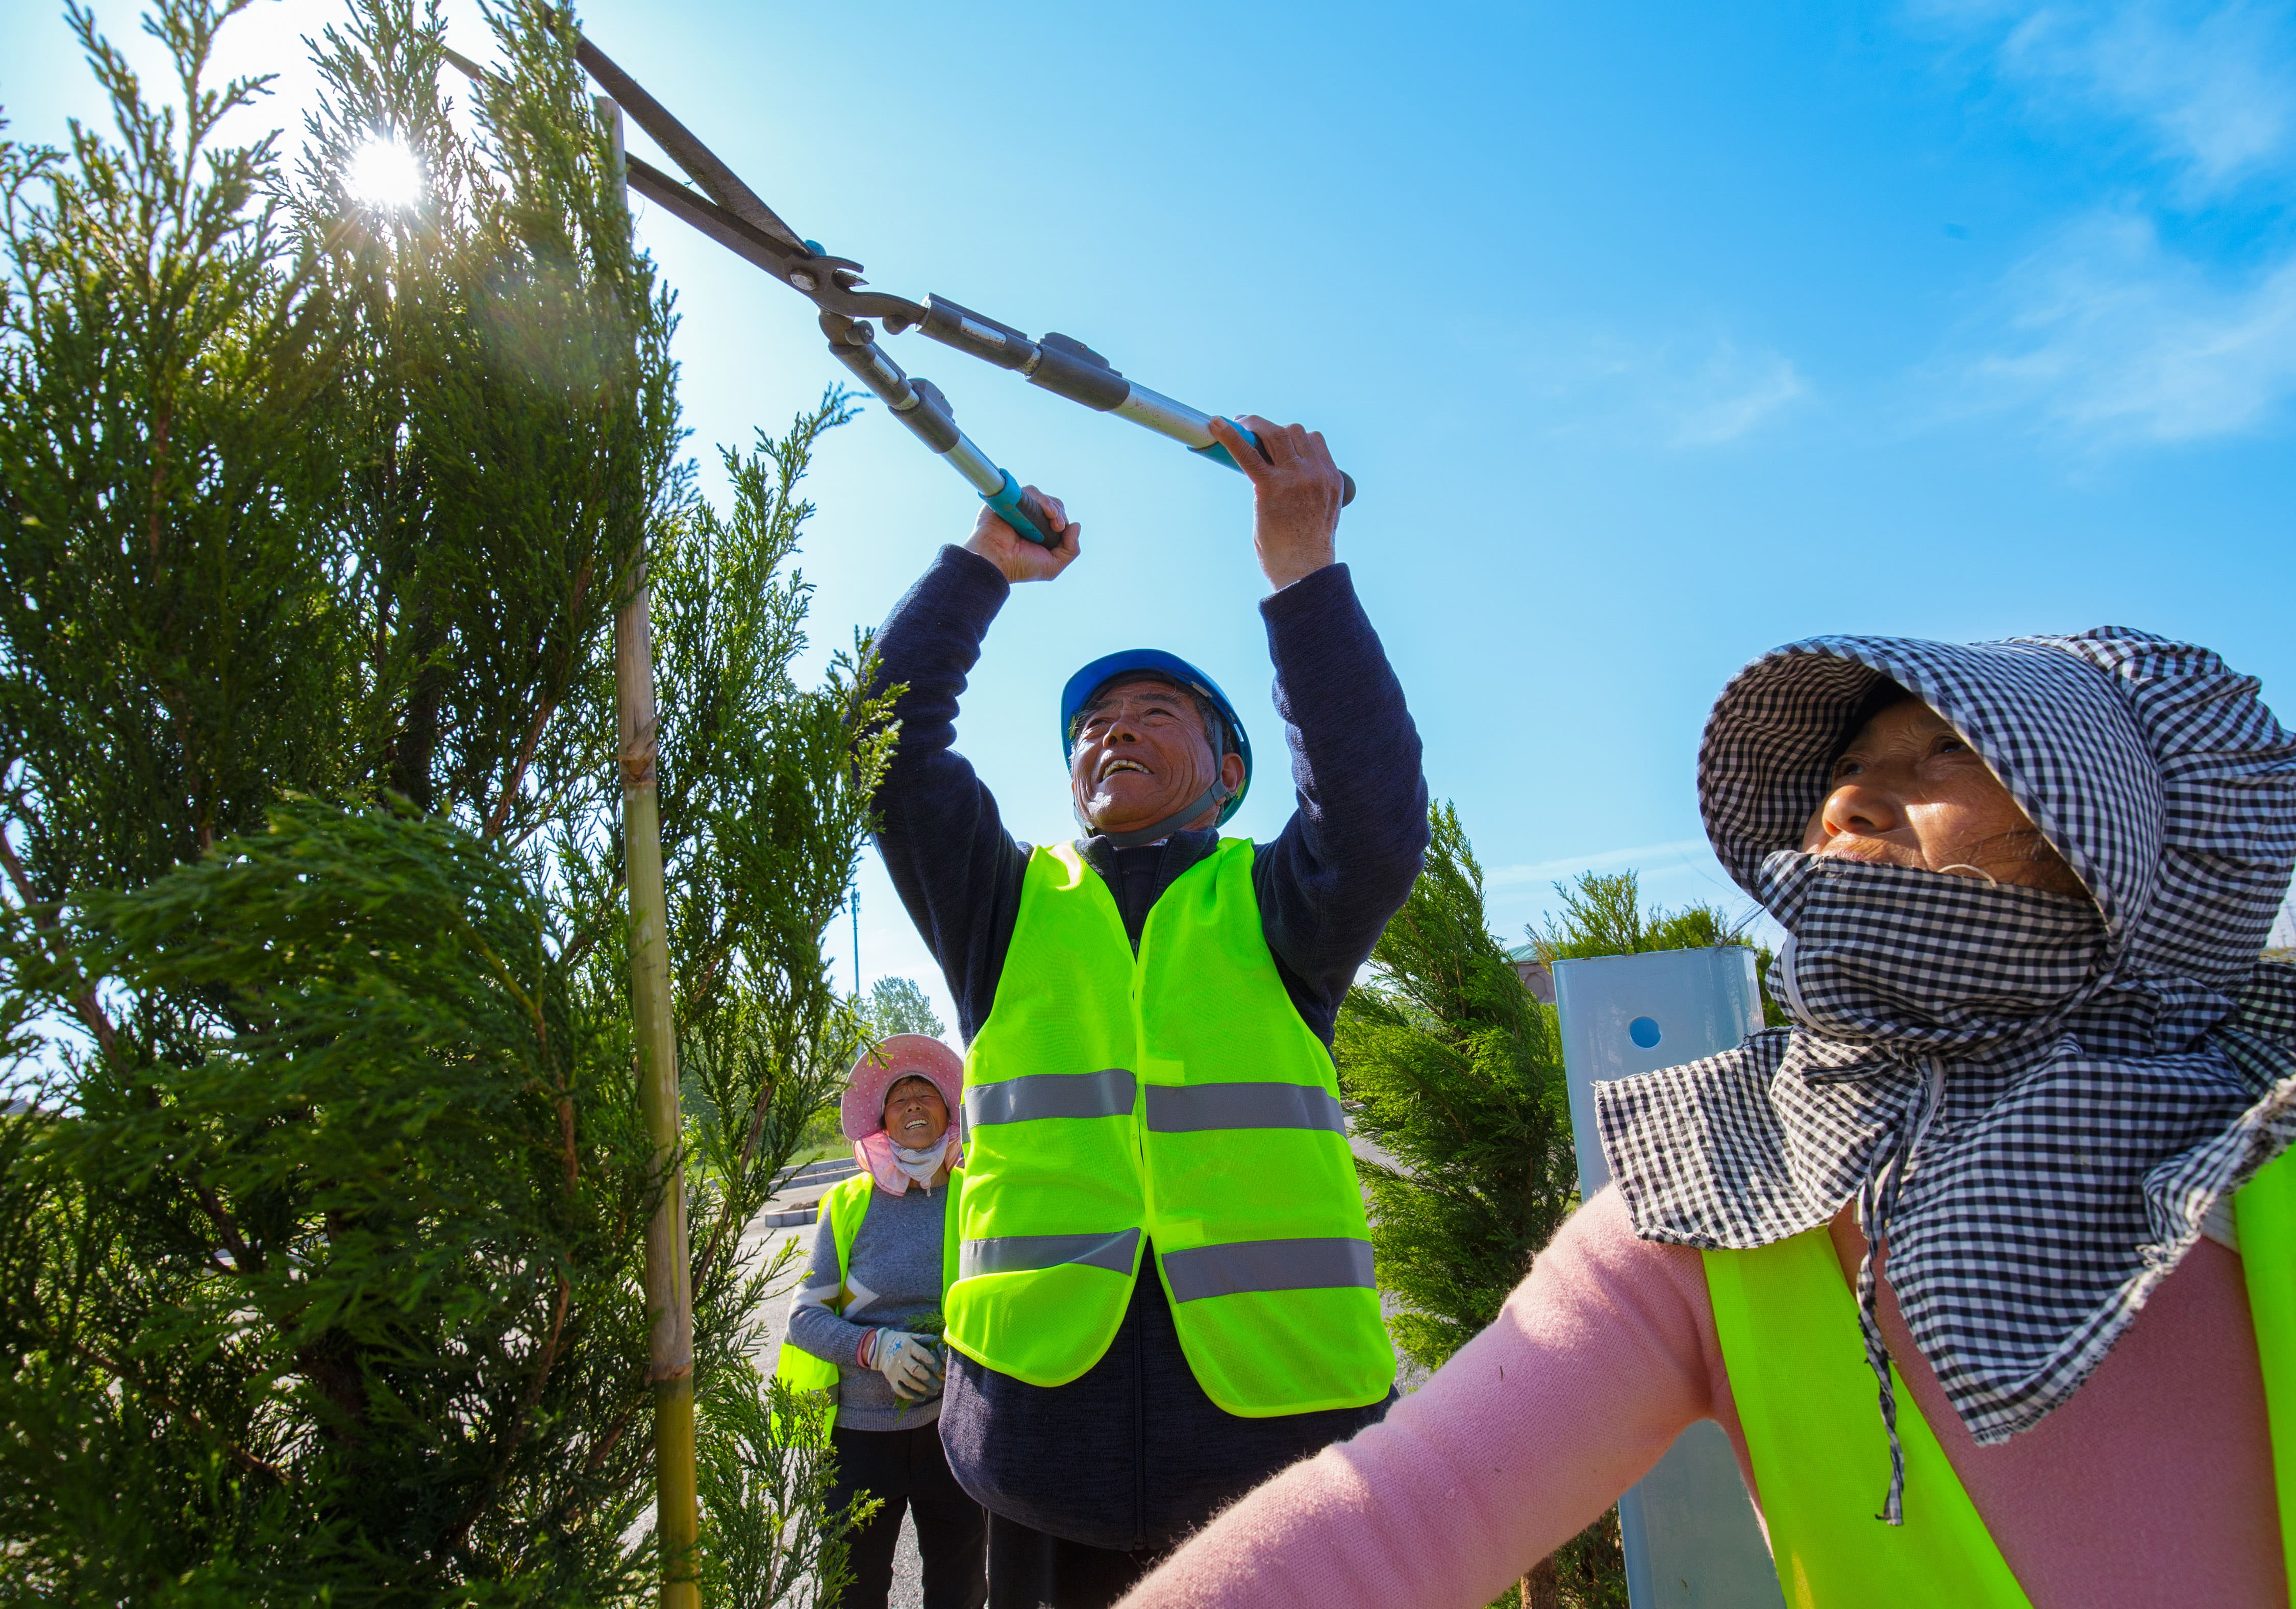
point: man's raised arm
(1345, 861)
(956, 868)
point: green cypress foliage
(1449, 1066)
(765, 1486)
(321, 1206)
(765, 793)
(175, 648)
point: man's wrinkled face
(1141, 754)
(1909, 792)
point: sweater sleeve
(1598, 1360)
(1345, 861)
(956, 869)
(814, 1326)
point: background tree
(1451, 1067)
(320, 1221)
(1455, 1072)
(899, 1006)
(1602, 915)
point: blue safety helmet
(1170, 668)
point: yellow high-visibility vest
(845, 1205)
(1788, 1326)
(1174, 1097)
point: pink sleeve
(1597, 1361)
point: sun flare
(386, 175)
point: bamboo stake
(668, 1268)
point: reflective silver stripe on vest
(1190, 1108)
(1050, 1095)
(1026, 1253)
(1267, 1265)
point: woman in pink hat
(859, 1327)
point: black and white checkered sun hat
(2037, 1102)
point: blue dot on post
(1642, 1031)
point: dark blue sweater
(1133, 1454)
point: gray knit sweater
(895, 1279)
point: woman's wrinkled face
(915, 1115)
(1908, 791)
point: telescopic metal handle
(1067, 367)
(918, 404)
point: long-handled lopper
(730, 213)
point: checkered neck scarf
(2035, 1100)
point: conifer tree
(320, 1213)
(1449, 1066)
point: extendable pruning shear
(729, 212)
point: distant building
(1539, 978)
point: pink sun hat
(904, 1055)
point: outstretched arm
(1599, 1359)
(956, 868)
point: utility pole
(669, 1264)
(857, 940)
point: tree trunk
(414, 747)
(1542, 1589)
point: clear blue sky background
(1654, 335)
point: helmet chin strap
(1212, 798)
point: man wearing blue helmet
(1163, 1285)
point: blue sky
(1654, 335)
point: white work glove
(909, 1363)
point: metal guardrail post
(1691, 1540)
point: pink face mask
(895, 1167)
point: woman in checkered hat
(2014, 1176)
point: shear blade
(718, 181)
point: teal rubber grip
(1029, 519)
(1220, 455)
